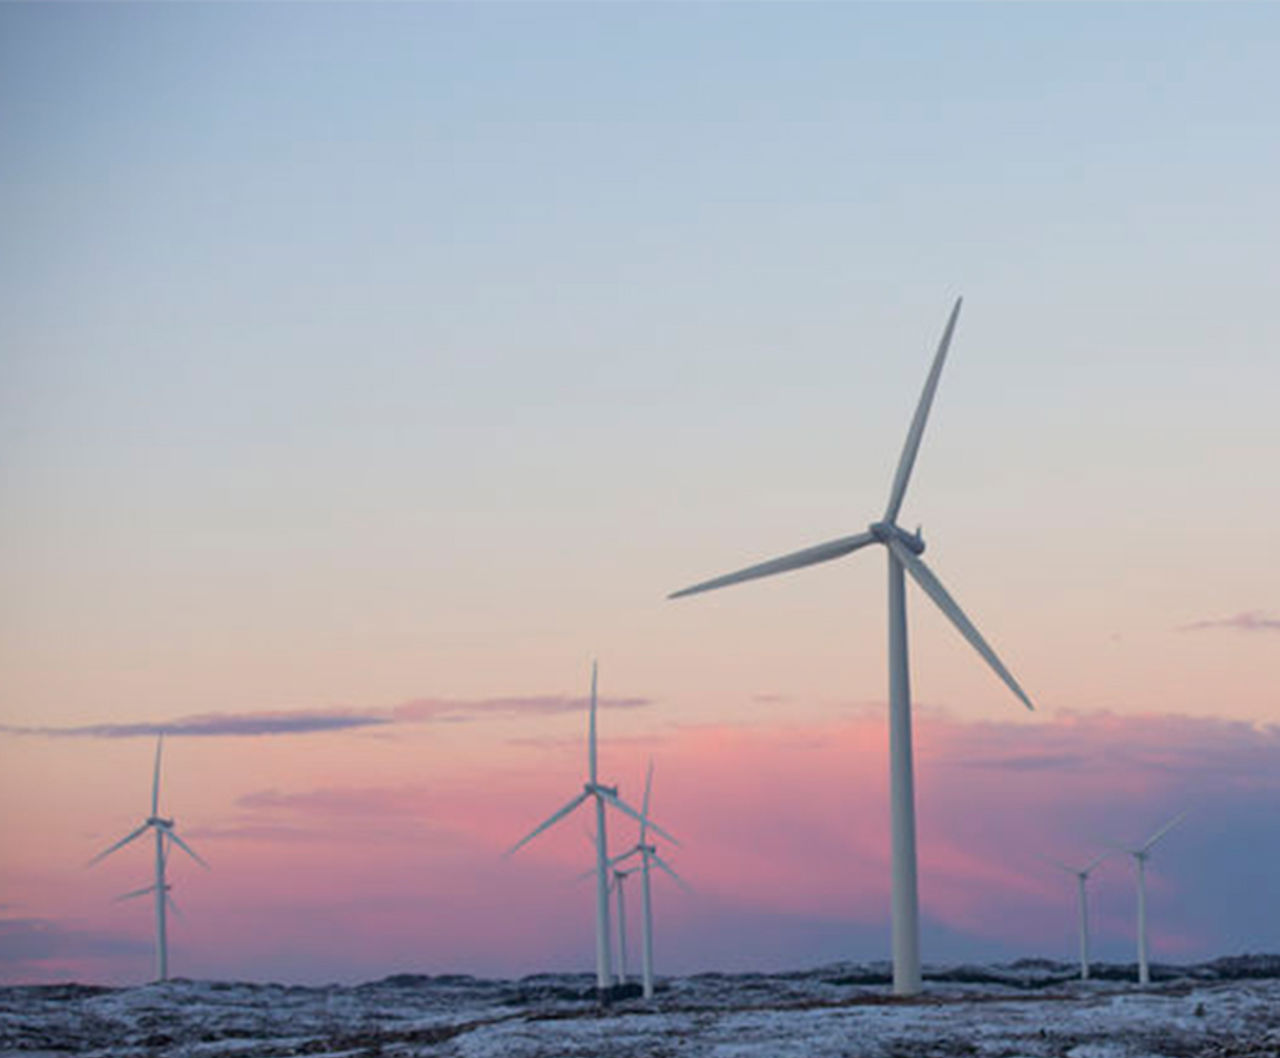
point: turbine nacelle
(883, 532)
(595, 787)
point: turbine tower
(903, 551)
(1081, 875)
(1140, 856)
(620, 876)
(648, 858)
(165, 837)
(601, 795)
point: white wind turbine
(1140, 856)
(620, 876)
(1081, 875)
(903, 552)
(617, 879)
(648, 858)
(165, 836)
(602, 795)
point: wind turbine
(1140, 856)
(601, 795)
(1081, 875)
(617, 878)
(648, 856)
(903, 552)
(620, 876)
(165, 836)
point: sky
(369, 370)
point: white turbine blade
(552, 821)
(622, 806)
(671, 871)
(590, 872)
(1164, 830)
(136, 893)
(591, 729)
(1097, 860)
(916, 432)
(155, 781)
(934, 589)
(798, 560)
(187, 849)
(1058, 863)
(120, 844)
(644, 805)
(173, 905)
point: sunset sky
(366, 371)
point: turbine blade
(671, 871)
(934, 589)
(916, 432)
(120, 844)
(551, 821)
(797, 560)
(591, 730)
(1097, 860)
(1058, 863)
(644, 806)
(622, 806)
(136, 893)
(155, 781)
(187, 849)
(1164, 830)
(173, 905)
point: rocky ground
(1226, 1009)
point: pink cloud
(1247, 621)
(310, 721)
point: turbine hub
(883, 532)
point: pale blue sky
(386, 308)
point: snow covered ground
(1226, 1009)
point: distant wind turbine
(903, 552)
(617, 879)
(1081, 875)
(620, 876)
(602, 795)
(1140, 856)
(165, 836)
(648, 857)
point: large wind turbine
(903, 552)
(648, 857)
(1140, 855)
(1081, 875)
(165, 836)
(601, 795)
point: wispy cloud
(1029, 762)
(330, 801)
(215, 725)
(310, 721)
(423, 710)
(1248, 621)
